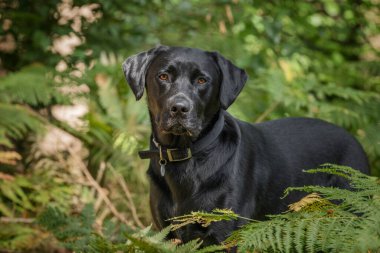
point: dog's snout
(179, 106)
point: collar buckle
(176, 154)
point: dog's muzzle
(180, 112)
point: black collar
(180, 154)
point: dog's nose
(179, 107)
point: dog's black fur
(246, 167)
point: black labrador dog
(203, 158)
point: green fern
(351, 226)
(77, 233)
(27, 194)
(31, 85)
(203, 218)
(20, 237)
(315, 223)
(16, 122)
(74, 232)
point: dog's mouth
(183, 127)
(178, 129)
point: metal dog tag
(162, 166)
(162, 169)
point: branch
(100, 191)
(128, 194)
(16, 220)
(268, 111)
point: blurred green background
(70, 128)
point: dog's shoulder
(301, 126)
(290, 134)
(294, 121)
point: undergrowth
(314, 224)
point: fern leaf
(73, 232)
(271, 237)
(144, 245)
(287, 237)
(16, 121)
(160, 236)
(212, 248)
(31, 86)
(203, 218)
(299, 235)
(314, 224)
(278, 234)
(99, 244)
(52, 218)
(253, 236)
(329, 233)
(311, 202)
(312, 236)
(9, 157)
(191, 246)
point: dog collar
(181, 154)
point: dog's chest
(182, 179)
(193, 185)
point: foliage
(21, 237)
(19, 93)
(16, 122)
(314, 59)
(203, 218)
(76, 233)
(33, 86)
(315, 223)
(32, 192)
(32, 28)
(350, 226)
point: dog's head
(186, 87)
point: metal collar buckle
(172, 159)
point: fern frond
(253, 236)
(312, 234)
(213, 248)
(203, 218)
(145, 245)
(31, 86)
(299, 235)
(16, 121)
(76, 233)
(98, 243)
(73, 232)
(315, 224)
(311, 202)
(358, 201)
(287, 238)
(18, 237)
(347, 93)
(189, 246)
(160, 236)
(9, 157)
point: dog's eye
(201, 81)
(163, 77)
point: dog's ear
(135, 68)
(232, 80)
